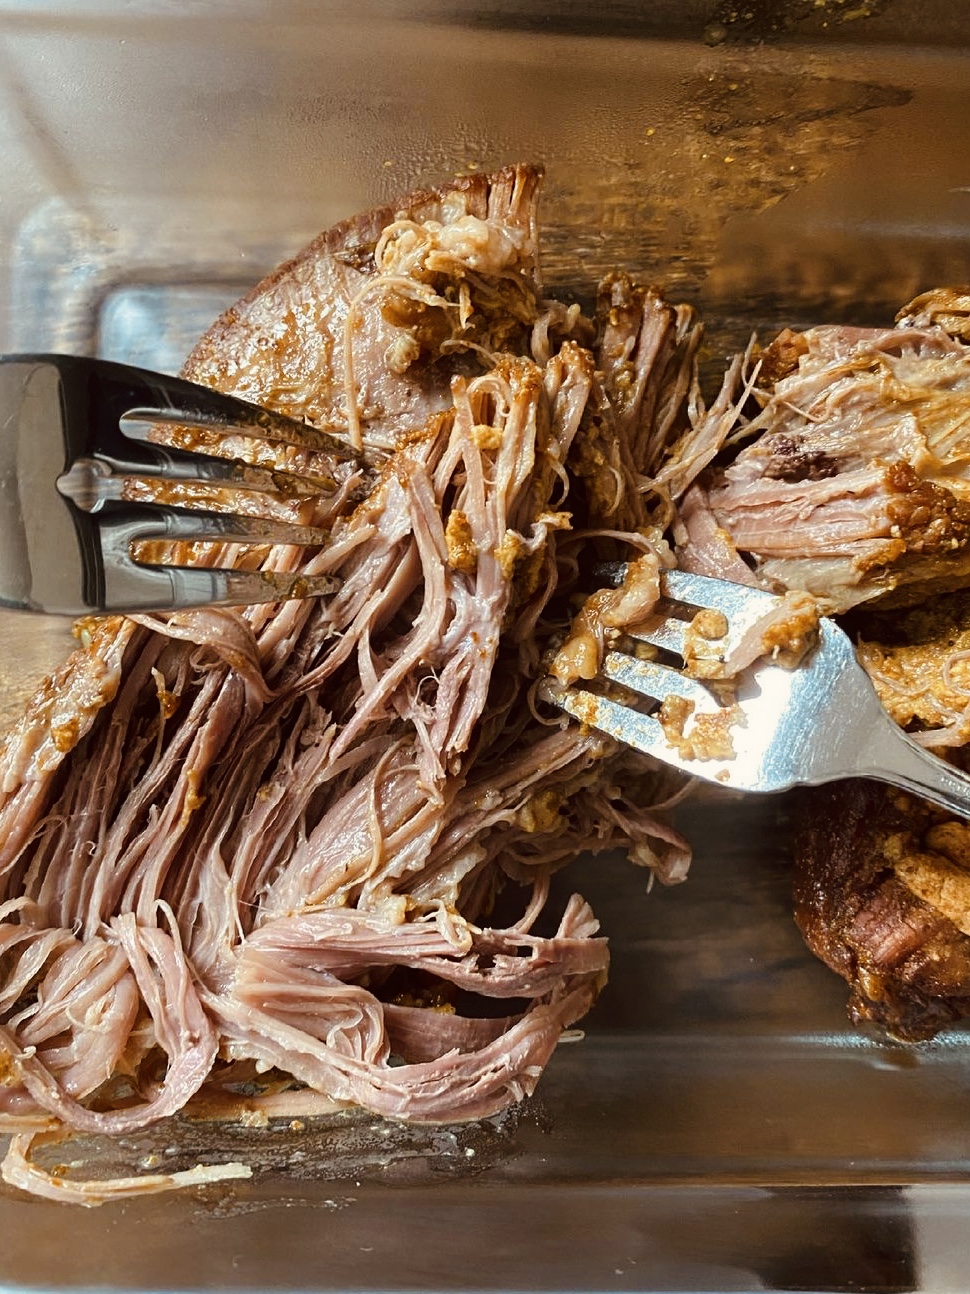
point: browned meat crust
(860, 849)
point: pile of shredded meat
(303, 851)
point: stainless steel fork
(819, 721)
(74, 441)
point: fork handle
(904, 763)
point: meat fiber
(271, 841)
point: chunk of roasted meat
(882, 881)
(882, 896)
(850, 472)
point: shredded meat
(919, 660)
(270, 841)
(306, 849)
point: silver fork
(74, 441)
(820, 721)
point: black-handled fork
(74, 447)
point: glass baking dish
(719, 1126)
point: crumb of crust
(952, 839)
(250, 1118)
(672, 717)
(710, 733)
(780, 357)
(789, 640)
(926, 516)
(541, 812)
(704, 644)
(460, 543)
(508, 552)
(709, 624)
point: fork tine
(90, 483)
(129, 584)
(162, 464)
(702, 591)
(667, 633)
(649, 679)
(183, 403)
(131, 403)
(741, 605)
(124, 525)
(130, 587)
(226, 587)
(171, 464)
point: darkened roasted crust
(908, 965)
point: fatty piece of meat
(854, 482)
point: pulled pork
(303, 851)
(269, 846)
